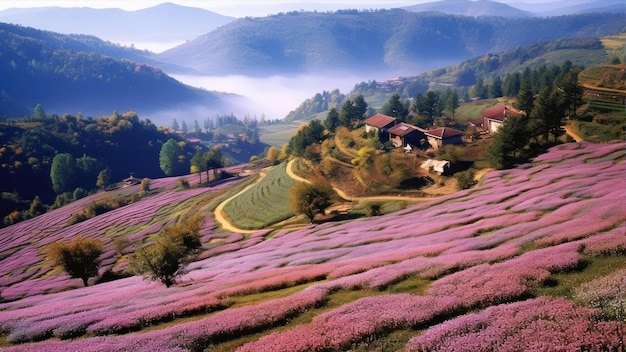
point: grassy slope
(264, 204)
(558, 223)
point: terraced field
(531, 259)
(264, 204)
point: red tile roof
(499, 113)
(443, 132)
(478, 122)
(380, 120)
(402, 129)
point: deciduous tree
(168, 157)
(63, 173)
(311, 199)
(166, 259)
(80, 257)
(104, 178)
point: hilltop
(532, 240)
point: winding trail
(573, 134)
(219, 212)
(228, 226)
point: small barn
(439, 166)
(440, 136)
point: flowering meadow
(505, 266)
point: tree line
(546, 97)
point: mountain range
(82, 73)
(79, 73)
(166, 23)
(391, 41)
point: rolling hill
(165, 23)
(392, 41)
(79, 73)
(519, 256)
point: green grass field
(264, 204)
(278, 134)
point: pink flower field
(528, 260)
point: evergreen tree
(395, 108)
(495, 89)
(360, 108)
(428, 106)
(480, 90)
(332, 120)
(525, 99)
(573, 92)
(452, 101)
(175, 125)
(550, 107)
(346, 113)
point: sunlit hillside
(531, 258)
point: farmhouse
(494, 117)
(440, 136)
(404, 134)
(379, 122)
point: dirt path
(228, 226)
(573, 134)
(219, 212)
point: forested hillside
(77, 73)
(110, 147)
(376, 41)
(464, 76)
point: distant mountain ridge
(78, 73)
(470, 8)
(166, 22)
(376, 41)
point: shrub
(465, 179)
(98, 207)
(145, 185)
(183, 183)
(374, 209)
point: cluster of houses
(407, 136)
(404, 135)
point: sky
(234, 8)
